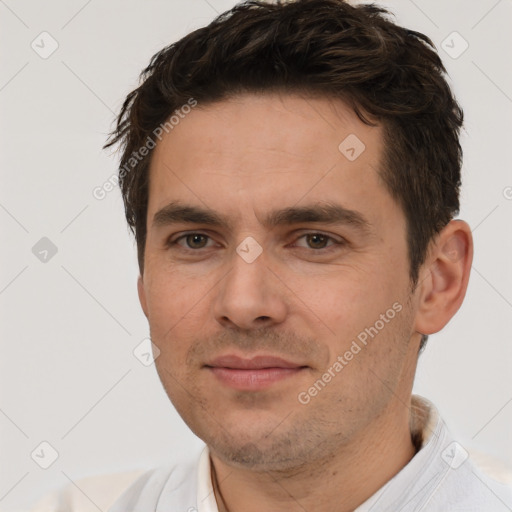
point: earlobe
(446, 277)
(142, 295)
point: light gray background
(69, 325)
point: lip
(254, 363)
(252, 374)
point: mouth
(253, 374)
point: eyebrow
(326, 213)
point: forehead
(300, 126)
(249, 152)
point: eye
(193, 241)
(318, 241)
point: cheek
(342, 297)
(343, 304)
(175, 314)
(171, 295)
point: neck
(354, 473)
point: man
(291, 173)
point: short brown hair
(388, 74)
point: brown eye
(193, 241)
(317, 240)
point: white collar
(205, 495)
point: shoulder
(163, 486)
(475, 486)
(446, 476)
(88, 494)
(116, 491)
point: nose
(250, 296)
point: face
(276, 279)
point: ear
(142, 295)
(444, 279)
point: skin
(304, 299)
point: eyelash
(171, 243)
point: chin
(285, 446)
(255, 456)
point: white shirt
(439, 478)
